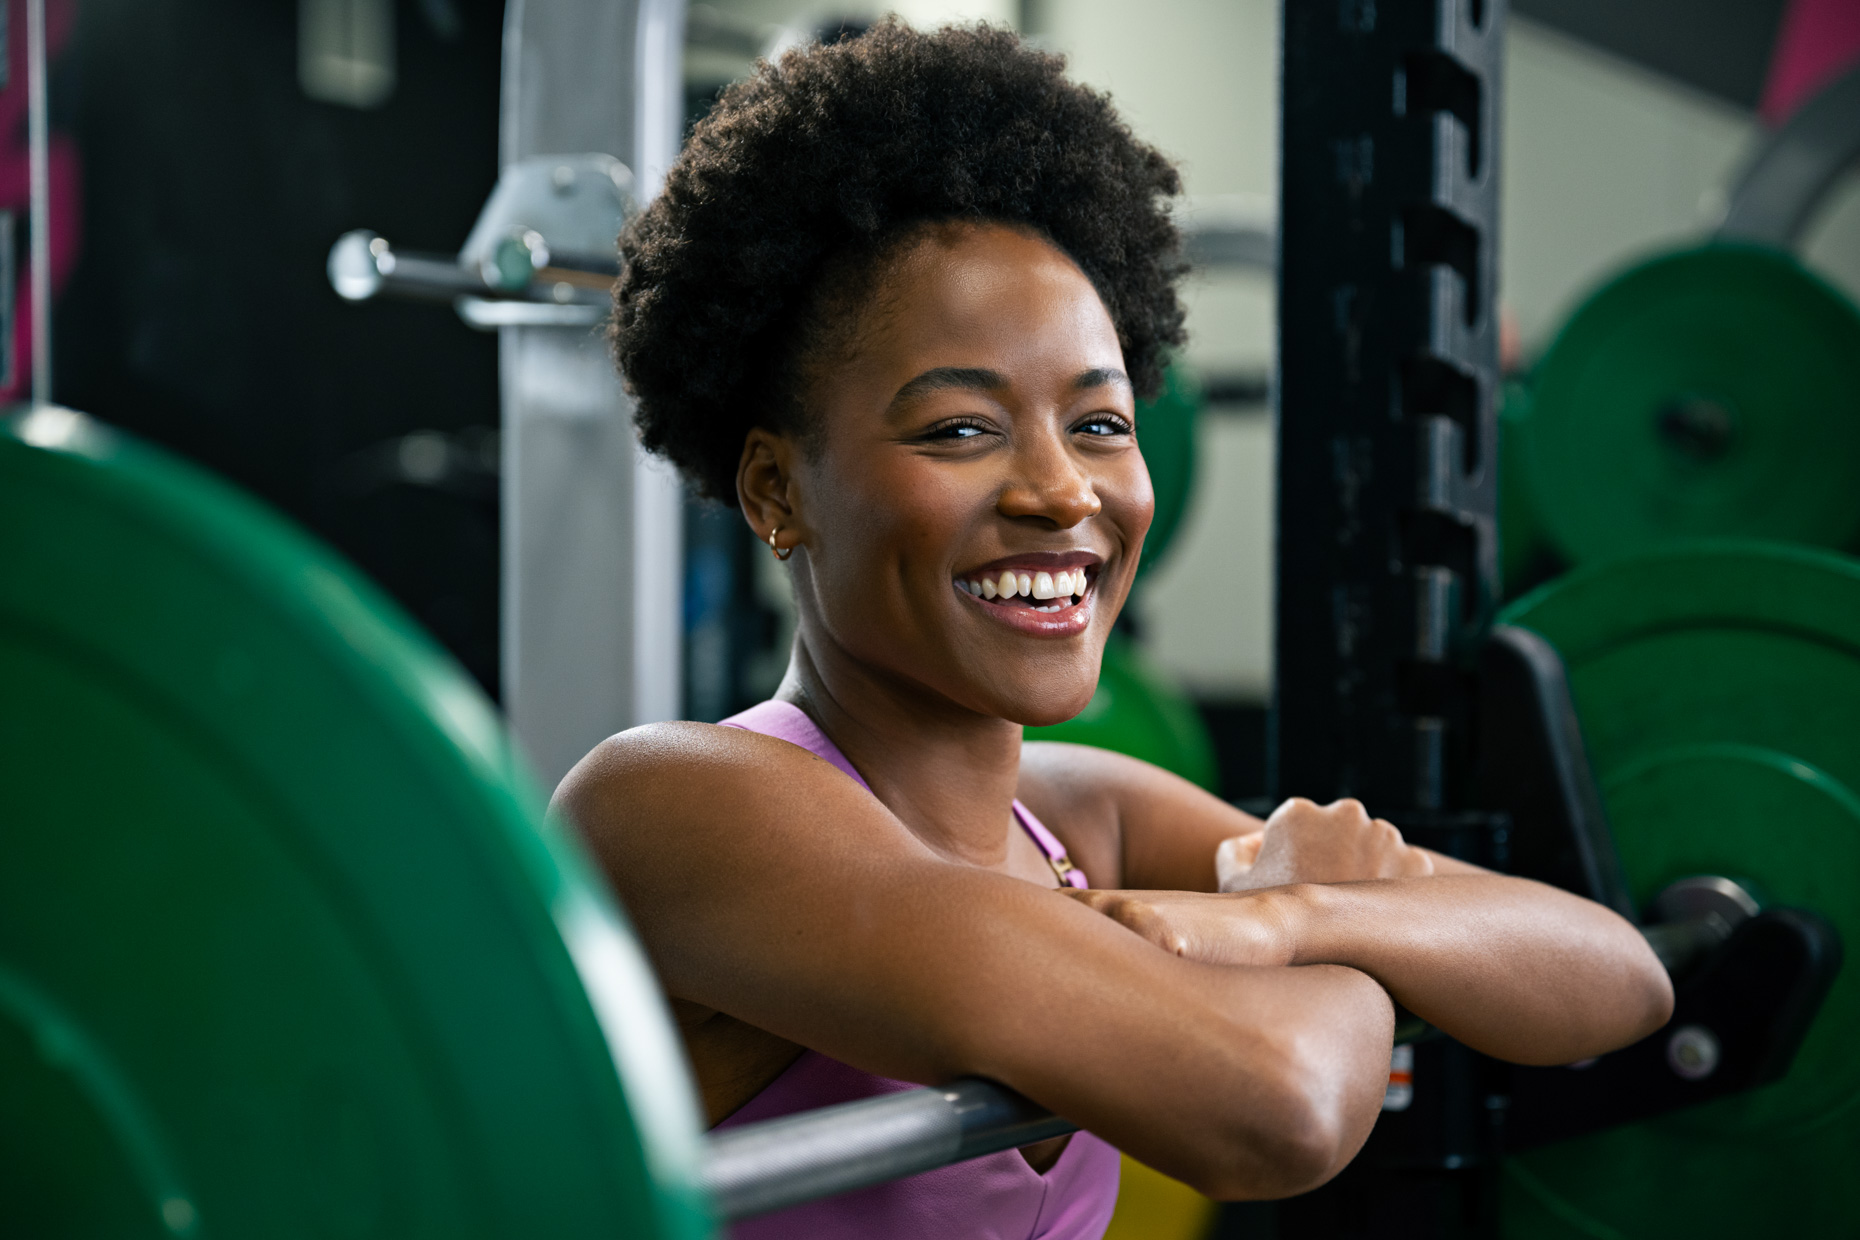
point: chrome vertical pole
(592, 528)
(38, 140)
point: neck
(947, 772)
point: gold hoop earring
(780, 553)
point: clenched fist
(1308, 843)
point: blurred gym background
(207, 152)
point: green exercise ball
(1718, 686)
(1713, 392)
(1136, 711)
(285, 948)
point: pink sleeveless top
(997, 1197)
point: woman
(897, 302)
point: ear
(765, 487)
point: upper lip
(1036, 562)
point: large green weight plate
(285, 950)
(1718, 684)
(1712, 392)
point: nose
(1047, 485)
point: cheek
(1128, 498)
(887, 520)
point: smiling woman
(897, 304)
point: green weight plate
(285, 949)
(1166, 433)
(1136, 711)
(1709, 393)
(1718, 684)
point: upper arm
(1135, 824)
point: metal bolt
(424, 457)
(178, 1213)
(1692, 1052)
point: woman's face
(973, 502)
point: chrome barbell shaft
(770, 1166)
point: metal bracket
(540, 254)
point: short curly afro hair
(790, 192)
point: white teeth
(1064, 585)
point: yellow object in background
(1151, 1206)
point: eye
(1105, 425)
(955, 431)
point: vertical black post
(1387, 549)
(1388, 360)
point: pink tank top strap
(1069, 875)
(787, 722)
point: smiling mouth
(1027, 590)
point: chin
(1045, 715)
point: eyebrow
(1103, 376)
(977, 379)
(942, 378)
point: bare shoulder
(1077, 792)
(723, 796)
(666, 759)
(1161, 829)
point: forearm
(1246, 1083)
(1513, 968)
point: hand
(1214, 929)
(1307, 843)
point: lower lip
(1066, 622)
